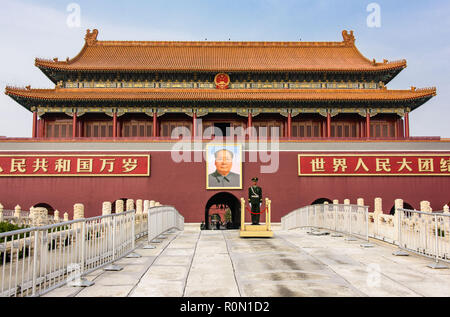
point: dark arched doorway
(49, 208)
(405, 206)
(321, 201)
(218, 204)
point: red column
(396, 129)
(194, 125)
(289, 126)
(407, 125)
(39, 128)
(80, 128)
(249, 124)
(329, 125)
(115, 125)
(34, 132)
(74, 125)
(42, 128)
(368, 125)
(155, 124)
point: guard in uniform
(255, 199)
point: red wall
(183, 186)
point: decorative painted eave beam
(203, 111)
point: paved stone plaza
(198, 263)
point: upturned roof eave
(35, 96)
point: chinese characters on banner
(374, 165)
(74, 165)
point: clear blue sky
(418, 31)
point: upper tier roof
(126, 56)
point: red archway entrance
(216, 209)
(49, 208)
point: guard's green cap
(254, 179)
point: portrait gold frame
(239, 150)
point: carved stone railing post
(427, 223)
(399, 229)
(425, 206)
(66, 217)
(349, 214)
(18, 214)
(447, 225)
(378, 210)
(130, 204)
(119, 206)
(378, 206)
(139, 214)
(56, 216)
(80, 233)
(40, 217)
(139, 206)
(146, 206)
(1, 213)
(106, 208)
(78, 211)
(362, 216)
(337, 216)
(397, 220)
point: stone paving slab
(212, 270)
(168, 274)
(196, 263)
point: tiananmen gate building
(314, 121)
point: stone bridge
(195, 263)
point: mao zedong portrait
(223, 177)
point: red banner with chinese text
(74, 165)
(374, 165)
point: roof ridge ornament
(91, 37)
(349, 38)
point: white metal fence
(162, 219)
(424, 233)
(36, 260)
(351, 220)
